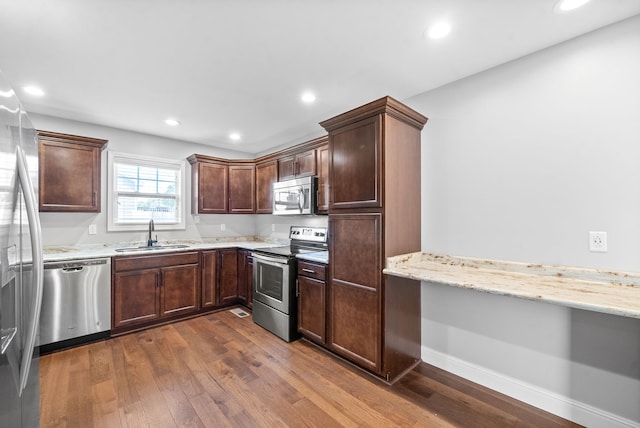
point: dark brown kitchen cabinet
(374, 213)
(69, 172)
(322, 157)
(245, 277)
(153, 288)
(228, 268)
(311, 291)
(136, 297)
(220, 186)
(209, 188)
(179, 289)
(266, 175)
(209, 272)
(356, 159)
(219, 277)
(297, 165)
(242, 189)
(355, 287)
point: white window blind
(145, 189)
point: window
(142, 189)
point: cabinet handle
(308, 270)
(297, 288)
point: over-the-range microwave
(295, 197)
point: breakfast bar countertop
(611, 292)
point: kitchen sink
(152, 248)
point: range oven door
(272, 281)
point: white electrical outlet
(598, 242)
(223, 226)
(273, 227)
(93, 229)
(196, 219)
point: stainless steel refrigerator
(21, 269)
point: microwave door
(289, 200)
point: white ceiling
(241, 65)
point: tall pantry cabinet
(374, 213)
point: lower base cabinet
(311, 292)
(355, 324)
(245, 277)
(219, 277)
(153, 288)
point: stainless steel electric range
(274, 275)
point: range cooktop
(303, 240)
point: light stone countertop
(92, 251)
(596, 290)
(318, 257)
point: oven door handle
(278, 261)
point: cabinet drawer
(312, 270)
(153, 261)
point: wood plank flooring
(220, 370)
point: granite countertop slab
(93, 251)
(609, 292)
(318, 257)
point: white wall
(519, 163)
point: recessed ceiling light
(33, 90)
(234, 136)
(172, 122)
(308, 97)
(567, 5)
(437, 31)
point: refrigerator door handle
(38, 266)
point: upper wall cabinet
(219, 186)
(322, 157)
(209, 187)
(266, 175)
(297, 165)
(242, 188)
(69, 172)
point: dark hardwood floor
(220, 370)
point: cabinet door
(286, 168)
(69, 177)
(323, 179)
(312, 308)
(305, 163)
(298, 165)
(213, 182)
(179, 289)
(209, 272)
(242, 190)
(355, 298)
(355, 165)
(266, 175)
(250, 281)
(136, 297)
(244, 275)
(228, 279)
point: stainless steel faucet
(150, 241)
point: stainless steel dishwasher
(76, 299)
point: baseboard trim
(548, 401)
